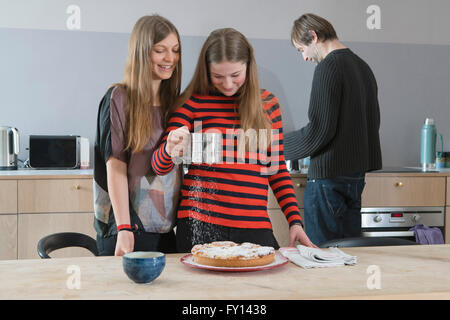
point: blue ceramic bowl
(143, 266)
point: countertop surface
(88, 173)
(402, 272)
(42, 174)
(396, 171)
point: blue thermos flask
(428, 146)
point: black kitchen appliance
(54, 151)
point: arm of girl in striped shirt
(279, 178)
(162, 162)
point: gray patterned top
(153, 199)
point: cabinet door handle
(77, 187)
(299, 185)
(399, 184)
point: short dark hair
(311, 22)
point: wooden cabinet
(67, 195)
(447, 224)
(47, 206)
(409, 191)
(8, 219)
(33, 227)
(447, 214)
(8, 196)
(32, 207)
(448, 191)
(8, 236)
(404, 191)
(299, 189)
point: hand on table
(125, 243)
(296, 232)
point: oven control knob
(416, 218)
(377, 219)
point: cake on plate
(231, 254)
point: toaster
(58, 152)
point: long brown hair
(137, 80)
(230, 45)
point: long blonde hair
(137, 80)
(230, 45)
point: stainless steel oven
(396, 221)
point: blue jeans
(333, 207)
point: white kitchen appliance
(395, 222)
(9, 148)
(84, 153)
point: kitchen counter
(398, 172)
(88, 173)
(45, 174)
(405, 272)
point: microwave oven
(58, 152)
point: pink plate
(278, 262)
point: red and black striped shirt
(231, 193)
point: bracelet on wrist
(126, 227)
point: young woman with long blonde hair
(134, 208)
(227, 200)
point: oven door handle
(389, 234)
(397, 220)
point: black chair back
(366, 242)
(61, 240)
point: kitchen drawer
(66, 195)
(280, 226)
(8, 236)
(448, 191)
(8, 196)
(404, 191)
(299, 189)
(447, 224)
(33, 227)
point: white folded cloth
(307, 257)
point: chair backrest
(65, 240)
(366, 242)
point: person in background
(342, 135)
(227, 201)
(134, 208)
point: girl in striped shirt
(227, 199)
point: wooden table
(407, 272)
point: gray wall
(53, 78)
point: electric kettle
(9, 148)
